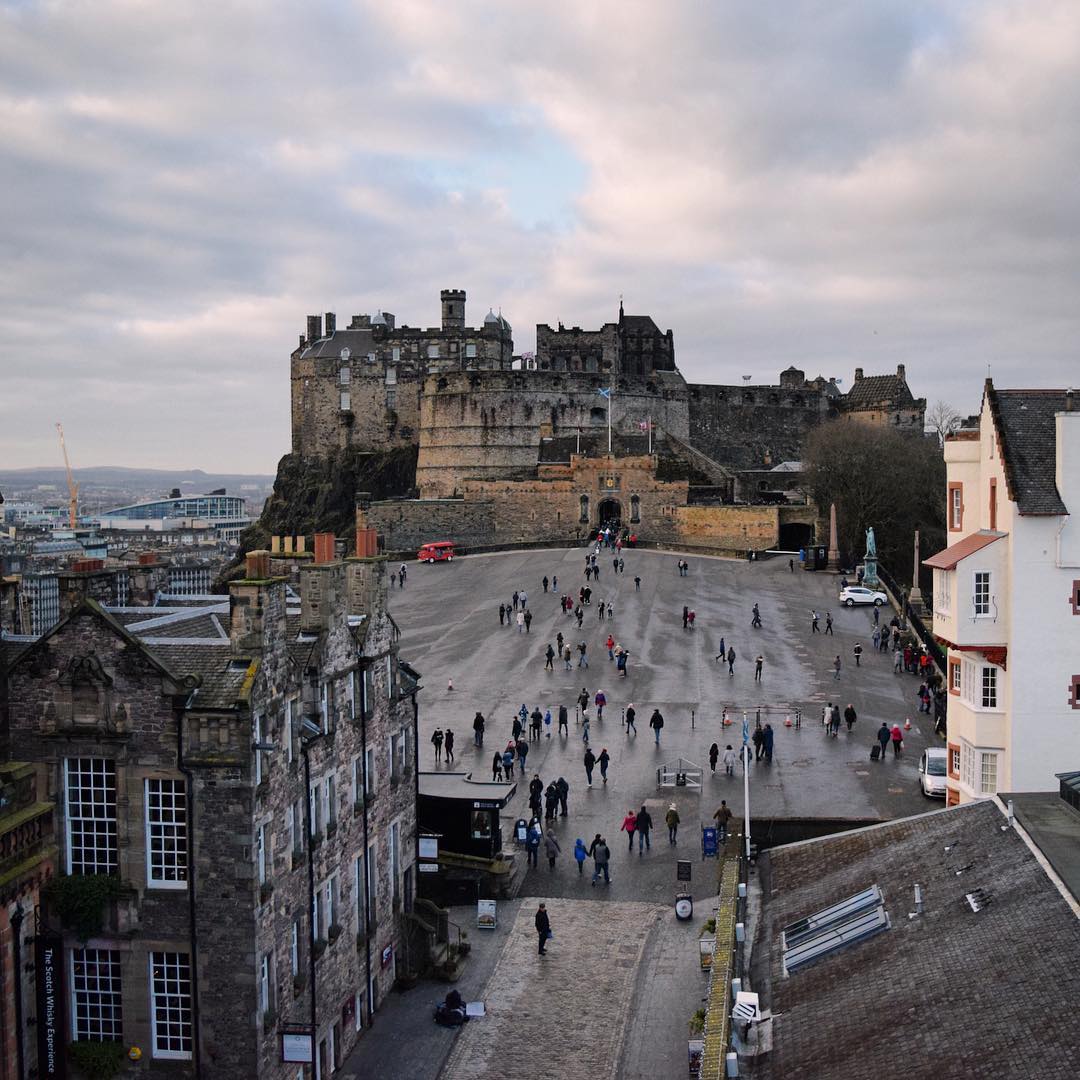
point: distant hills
(193, 481)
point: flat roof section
(455, 785)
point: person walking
(558, 643)
(585, 726)
(547, 723)
(543, 927)
(549, 658)
(532, 843)
(814, 628)
(590, 764)
(563, 788)
(528, 619)
(755, 622)
(729, 761)
(897, 736)
(604, 760)
(637, 584)
(644, 827)
(581, 853)
(551, 849)
(834, 721)
(551, 802)
(828, 623)
(536, 794)
(502, 608)
(522, 748)
(883, 736)
(850, 716)
(714, 755)
(519, 618)
(621, 657)
(517, 727)
(508, 760)
(630, 715)
(536, 720)
(685, 616)
(722, 817)
(515, 600)
(757, 667)
(656, 722)
(478, 726)
(758, 739)
(601, 854)
(563, 725)
(731, 660)
(583, 659)
(610, 645)
(629, 825)
(836, 668)
(545, 583)
(496, 767)
(767, 741)
(858, 652)
(600, 609)
(448, 746)
(437, 741)
(566, 657)
(600, 701)
(897, 661)
(671, 820)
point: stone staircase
(717, 473)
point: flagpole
(610, 392)
(650, 435)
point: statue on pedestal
(870, 577)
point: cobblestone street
(562, 1016)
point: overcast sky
(827, 184)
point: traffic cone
(907, 724)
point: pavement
(448, 614)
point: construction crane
(73, 488)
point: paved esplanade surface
(449, 618)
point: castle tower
(453, 309)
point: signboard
(486, 804)
(485, 914)
(696, 1049)
(52, 1041)
(428, 867)
(706, 948)
(348, 1012)
(296, 1047)
(709, 842)
(682, 870)
(387, 956)
(429, 847)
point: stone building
(361, 385)
(241, 776)
(884, 399)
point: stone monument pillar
(915, 596)
(834, 551)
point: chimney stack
(331, 323)
(324, 548)
(1069, 400)
(314, 328)
(858, 374)
(900, 372)
(257, 566)
(256, 607)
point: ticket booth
(464, 812)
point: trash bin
(684, 906)
(521, 830)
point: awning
(947, 559)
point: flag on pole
(644, 425)
(605, 392)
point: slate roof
(950, 556)
(358, 342)
(872, 390)
(951, 993)
(221, 675)
(642, 324)
(1027, 437)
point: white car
(932, 772)
(857, 594)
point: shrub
(78, 900)
(97, 1060)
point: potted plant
(97, 1060)
(79, 900)
(697, 1022)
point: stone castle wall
(488, 427)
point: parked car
(859, 594)
(932, 772)
(440, 551)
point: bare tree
(942, 419)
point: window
(395, 354)
(294, 948)
(954, 676)
(369, 770)
(314, 808)
(470, 352)
(357, 780)
(344, 376)
(987, 773)
(166, 834)
(298, 827)
(954, 761)
(391, 376)
(358, 1010)
(1074, 598)
(290, 728)
(358, 889)
(391, 399)
(260, 853)
(367, 691)
(993, 502)
(1074, 692)
(264, 984)
(316, 915)
(330, 911)
(350, 694)
(989, 688)
(371, 868)
(170, 1004)
(90, 794)
(324, 708)
(584, 509)
(980, 595)
(433, 352)
(395, 859)
(330, 804)
(967, 765)
(635, 509)
(256, 738)
(389, 677)
(956, 507)
(290, 827)
(979, 685)
(942, 591)
(344, 401)
(96, 1010)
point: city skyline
(830, 188)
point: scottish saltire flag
(605, 392)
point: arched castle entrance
(609, 512)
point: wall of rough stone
(754, 426)
(730, 528)
(489, 427)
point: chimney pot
(314, 328)
(257, 565)
(324, 548)
(900, 371)
(1069, 400)
(858, 374)
(331, 323)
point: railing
(914, 622)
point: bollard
(740, 932)
(731, 1061)
(692, 725)
(742, 890)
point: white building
(1007, 594)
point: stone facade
(361, 385)
(281, 764)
